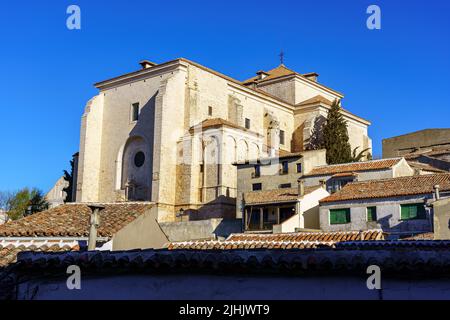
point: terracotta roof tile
(10, 250)
(393, 187)
(424, 167)
(282, 240)
(354, 167)
(277, 195)
(316, 99)
(280, 71)
(72, 220)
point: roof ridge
(418, 177)
(358, 162)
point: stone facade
(442, 219)
(416, 141)
(164, 157)
(56, 196)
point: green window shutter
(413, 211)
(371, 214)
(339, 216)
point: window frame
(348, 218)
(367, 214)
(285, 186)
(257, 184)
(257, 171)
(135, 112)
(247, 123)
(284, 165)
(299, 165)
(421, 213)
(282, 137)
(210, 111)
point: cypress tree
(335, 136)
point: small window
(201, 168)
(139, 159)
(413, 211)
(210, 111)
(340, 216)
(257, 172)
(285, 185)
(299, 168)
(247, 123)
(371, 214)
(281, 136)
(284, 167)
(135, 112)
(257, 186)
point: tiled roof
(72, 220)
(421, 236)
(385, 188)
(10, 249)
(246, 245)
(316, 99)
(375, 234)
(344, 174)
(277, 195)
(402, 257)
(277, 72)
(427, 152)
(298, 240)
(217, 123)
(354, 167)
(424, 167)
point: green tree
(25, 202)
(69, 178)
(335, 136)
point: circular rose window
(139, 159)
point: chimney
(301, 187)
(311, 76)
(436, 192)
(323, 184)
(145, 64)
(94, 224)
(262, 74)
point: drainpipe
(94, 224)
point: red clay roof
(425, 167)
(277, 72)
(394, 187)
(9, 250)
(217, 123)
(316, 99)
(299, 240)
(72, 220)
(354, 167)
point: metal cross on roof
(281, 57)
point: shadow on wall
(403, 227)
(221, 207)
(137, 159)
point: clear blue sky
(397, 77)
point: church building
(170, 133)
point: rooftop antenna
(281, 58)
